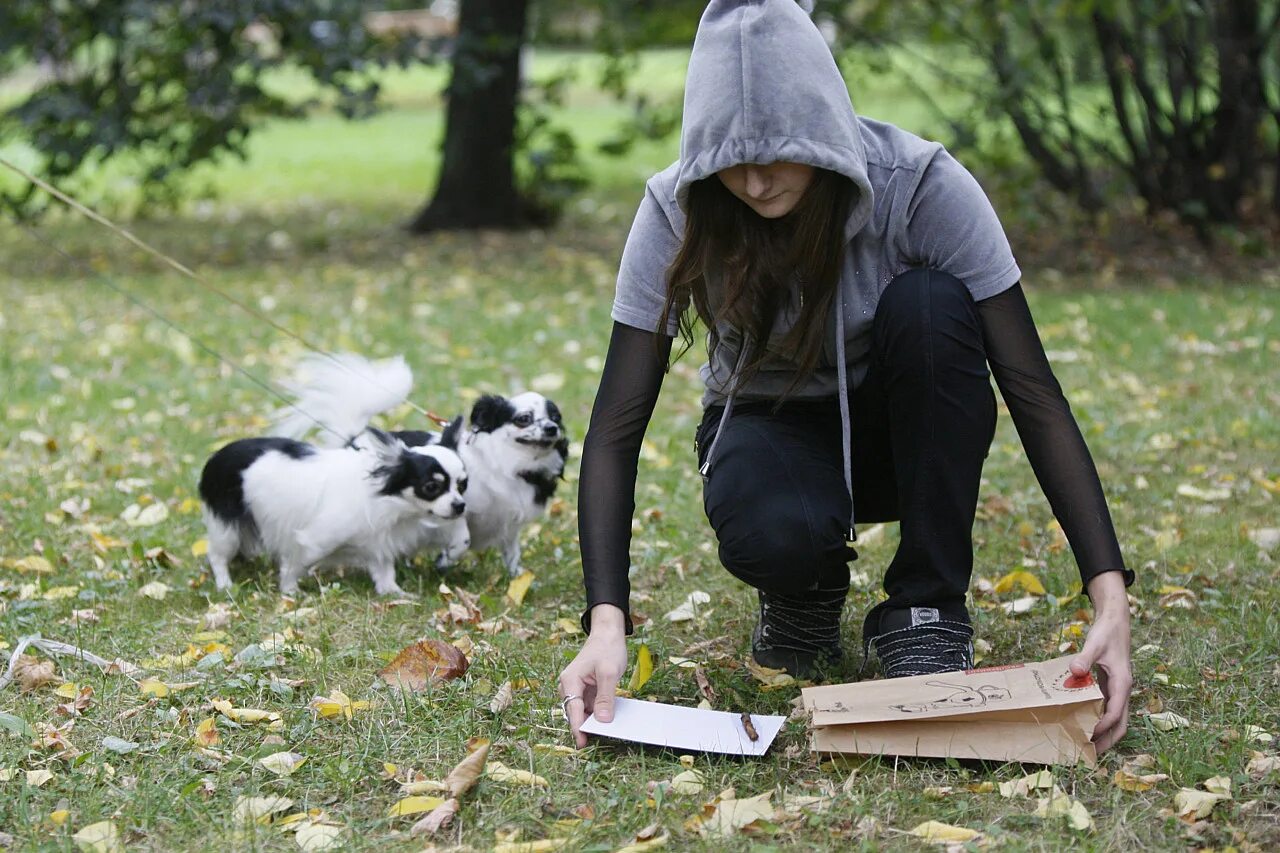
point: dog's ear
(562, 448)
(449, 438)
(386, 447)
(490, 412)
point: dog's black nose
(551, 430)
(459, 507)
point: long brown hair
(757, 259)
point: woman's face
(770, 189)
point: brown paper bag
(1035, 712)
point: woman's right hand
(592, 677)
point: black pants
(922, 423)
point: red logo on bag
(1078, 682)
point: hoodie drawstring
(846, 429)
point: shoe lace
(942, 646)
(804, 625)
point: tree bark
(477, 186)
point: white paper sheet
(685, 728)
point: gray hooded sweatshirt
(763, 87)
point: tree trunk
(477, 176)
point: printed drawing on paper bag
(961, 697)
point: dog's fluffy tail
(344, 392)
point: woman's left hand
(1107, 647)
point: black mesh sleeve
(629, 386)
(1049, 432)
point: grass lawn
(106, 408)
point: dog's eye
(523, 419)
(462, 487)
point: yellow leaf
(730, 815)
(247, 715)
(1061, 805)
(337, 704)
(1024, 579)
(1218, 785)
(67, 691)
(200, 547)
(423, 786)
(1023, 787)
(258, 809)
(37, 778)
(101, 837)
(771, 679)
(1128, 781)
(282, 763)
(1196, 805)
(58, 593)
(569, 626)
(38, 565)
(546, 845)
(932, 830)
(319, 836)
(499, 772)
(643, 670)
(688, 782)
(1167, 721)
(188, 506)
(153, 687)
(648, 844)
(414, 805)
(155, 589)
(207, 732)
(59, 816)
(518, 587)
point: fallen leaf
(639, 846)
(688, 782)
(1261, 766)
(439, 818)
(37, 778)
(464, 776)
(545, 845)
(944, 833)
(771, 679)
(731, 815)
(518, 587)
(689, 608)
(30, 672)
(33, 564)
(1266, 538)
(337, 704)
(258, 809)
(1126, 780)
(153, 687)
(1218, 785)
(319, 836)
(100, 837)
(1196, 805)
(424, 663)
(569, 626)
(1187, 490)
(248, 715)
(499, 772)
(148, 516)
(120, 746)
(282, 763)
(1020, 605)
(1167, 721)
(1023, 580)
(414, 805)
(643, 670)
(502, 698)
(1040, 780)
(155, 589)
(207, 732)
(1078, 817)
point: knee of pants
(777, 548)
(925, 298)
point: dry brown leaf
(1261, 765)
(424, 663)
(438, 818)
(770, 679)
(731, 815)
(30, 672)
(1128, 781)
(1196, 805)
(463, 777)
(207, 732)
(704, 685)
(499, 772)
(944, 833)
(502, 698)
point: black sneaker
(800, 636)
(918, 641)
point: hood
(763, 87)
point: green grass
(102, 403)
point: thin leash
(172, 324)
(183, 269)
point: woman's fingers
(573, 690)
(606, 688)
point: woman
(856, 284)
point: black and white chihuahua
(309, 507)
(514, 448)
